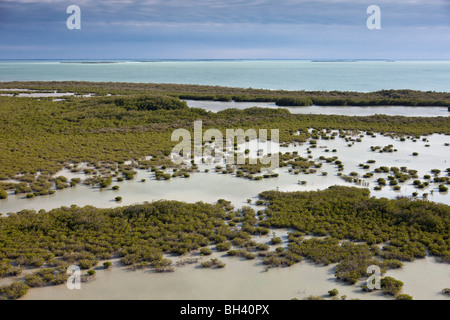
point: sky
(232, 29)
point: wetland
(89, 178)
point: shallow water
(424, 279)
(244, 280)
(240, 279)
(361, 76)
(216, 106)
(54, 94)
(211, 186)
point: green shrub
(391, 286)
(3, 194)
(223, 246)
(403, 297)
(205, 251)
(34, 280)
(294, 102)
(262, 247)
(87, 263)
(14, 291)
(311, 297)
(275, 240)
(213, 263)
(333, 293)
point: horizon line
(223, 59)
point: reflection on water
(216, 106)
(32, 94)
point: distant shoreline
(89, 62)
(118, 60)
(326, 74)
(282, 98)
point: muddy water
(244, 279)
(238, 280)
(424, 279)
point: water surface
(407, 111)
(211, 186)
(361, 76)
(244, 280)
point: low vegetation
(136, 122)
(41, 137)
(281, 97)
(349, 222)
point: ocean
(354, 75)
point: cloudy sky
(225, 29)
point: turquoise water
(361, 76)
